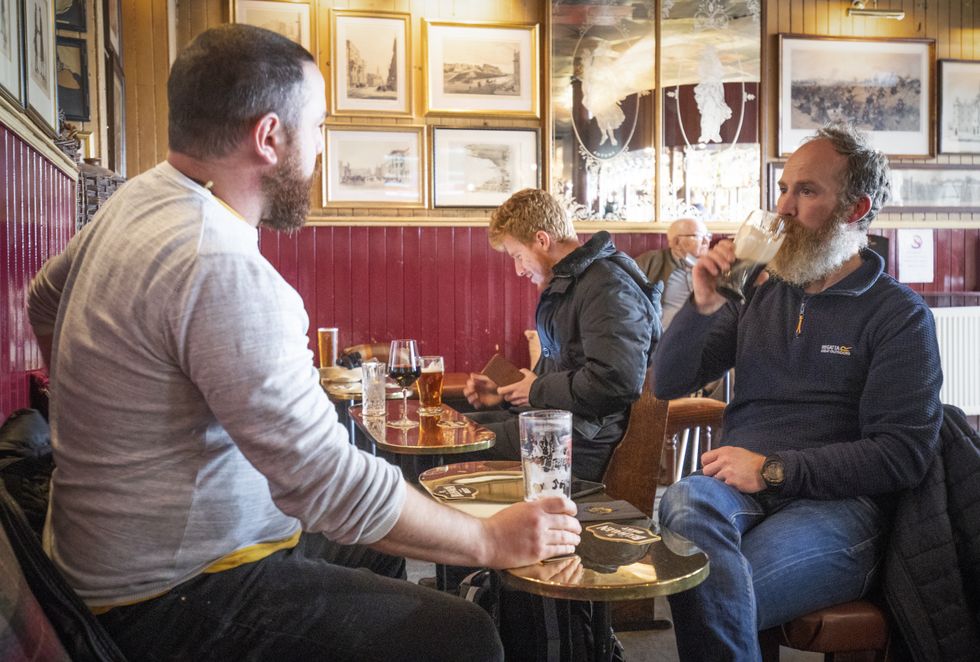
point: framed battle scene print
(371, 71)
(70, 15)
(290, 19)
(959, 107)
(40, 63)
(72, 78)
(481, 68)
(11, 75)
(882, 86)
(374, 166)
(482, 167)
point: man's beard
(287, 195)
(811, 255)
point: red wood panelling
(37, 216)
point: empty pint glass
(756, 243)
(546, 453)
(430, 385)
(373, 376)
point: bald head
(688, 236)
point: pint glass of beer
(327, 345)
(430, 385)
(756, 243)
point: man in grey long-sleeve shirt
(192, 440)
(836, 409)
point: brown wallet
(502, 371)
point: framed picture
(481, 68)
(920, 187)
(374, 166)
(959, 107)
(70, 15)
(40, 63)
(882, 86)
(371, 71)
(72, 78)
(775, 171)
(482, 167)
(116, 103)
(113, 27)
(11, 74)
(288, 18)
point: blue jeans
(772, 559)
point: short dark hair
(867, 171)
(226, 79)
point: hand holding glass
(756, 243)
(404, 367)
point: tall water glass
(373, 378)
(756, 243)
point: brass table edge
(606, 593)
(435, 450)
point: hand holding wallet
(502, 371)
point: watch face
(772, 472)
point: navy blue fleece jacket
(843, 385)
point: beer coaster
(624, 533)
(607, 511)
(454, 492)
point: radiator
(958, 330)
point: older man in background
(687, 240)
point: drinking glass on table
(756, 243)
(546, 453)
(430, 385)
(404, 367)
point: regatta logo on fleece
(841, 350)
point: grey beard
(807, 256)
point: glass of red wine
(404, 367)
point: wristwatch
(772, 473)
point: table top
(447, 433)
(616, 560)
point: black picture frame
(112, 12)
(116, 117)
(73, 91)
(72, 17)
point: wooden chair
(633, 471)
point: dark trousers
(317, 601)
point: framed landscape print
(921, 187)
(481, 68)
(10, 51)
(40, 62)
(482, 167)
(371, 70)
(70, 15)
(959, 107)
(374, 166)
(290, 19)
(882, 86)
(72, 78)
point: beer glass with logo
(430, 385)
(546, 453)
(756, 243)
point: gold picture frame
(481, 68)
(41, 72)
(293, 19)
(374, 166)
(368, 79)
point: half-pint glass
(756, 243)
(546, 453)
(430, 385)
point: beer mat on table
(502, 371)
(478, 488)
(607, 511)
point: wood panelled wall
(444, 285)
(37, 216)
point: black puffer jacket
(598, 320)
(26, 463)
(932, 567)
